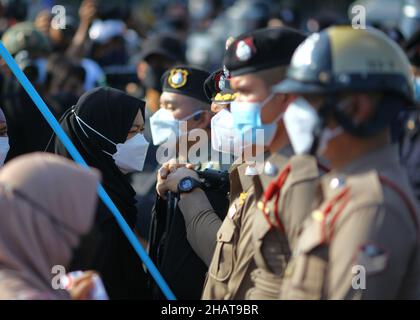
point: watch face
(186, 184)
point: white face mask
(4, 149)
(130, 155)
(223, 133)
(163, 125)
(302, 123)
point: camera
(215, 180)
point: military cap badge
(177, 78)
(245, 49)
(219, 81)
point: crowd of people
(255, 156)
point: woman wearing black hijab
(100, 125)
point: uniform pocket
(222, 264)
(305, 274)
(260, 229)
(308, 277)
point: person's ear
(279, 99)
(360, 108)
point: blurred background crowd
(129, 44)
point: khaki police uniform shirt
(233, 254)
(203, 224)
(362, 241)
(273, 245)
(229, 275)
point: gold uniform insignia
(227, 97)
(177, 78)
(242, 198)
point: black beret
(186, 80)
(262, 49)
(217, 87)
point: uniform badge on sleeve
(177, 78)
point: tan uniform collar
(376, 159)
(287, 151)
(240, 182)
(273, 165)
(381, 159)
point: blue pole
(79, 159)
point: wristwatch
(188, 184)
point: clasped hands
(170, 174)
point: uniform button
(270, 169)
(317, 215)
(253, 276)
(336, 182)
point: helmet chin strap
(324, 112)
(383, 114)
(332, 108)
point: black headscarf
(111, 112)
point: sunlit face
(179, 105)
(137, 127)
(249, 88)
(183, 107)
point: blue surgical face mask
(247, 120)
(4, 149)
